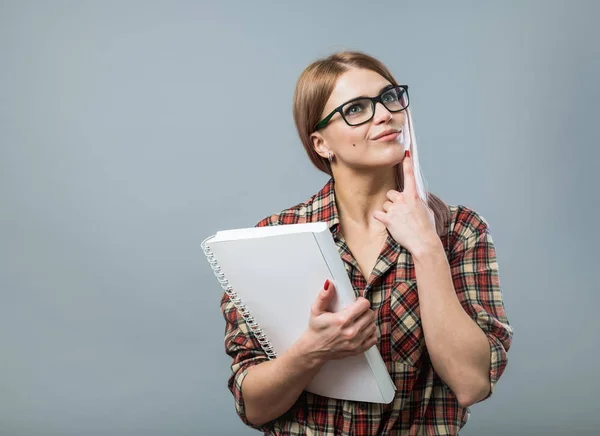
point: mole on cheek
(353, 145)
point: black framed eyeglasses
(362, 109)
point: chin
(394, 154)
(385, 156)
(383, 162)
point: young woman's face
(362, 146)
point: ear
(320, 144)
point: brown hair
(313, 89)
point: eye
(354, 109)
(390, 97)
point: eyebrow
(385, 88)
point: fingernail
(407, 153)
(326, 285)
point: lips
(387, 135)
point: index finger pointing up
(410, 185)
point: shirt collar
(325, 208)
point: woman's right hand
(341, 334)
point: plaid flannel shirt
(424, 404)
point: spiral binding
(237, 301)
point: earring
(330, 157)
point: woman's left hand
(408, 219)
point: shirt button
(363, 406)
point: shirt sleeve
(474, 270)
(242, 346)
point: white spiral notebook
(273, 275)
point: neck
(358, 195)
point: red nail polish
(326, 285)
(407, 153)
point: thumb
(324, 297)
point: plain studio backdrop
(131, 130)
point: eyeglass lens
(359, 111)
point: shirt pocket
(406, 331)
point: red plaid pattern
(423, 405)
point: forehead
(355, 83)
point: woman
(445, 340)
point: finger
(363, 327)
(365, 321)
(369, 332)
(393, 195)
(369, 342)
(324, 297)
(351, 313)
(371, 329)
(355, 334)
(410, 184)
(382, 217)
(386, 206)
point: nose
(382, 115)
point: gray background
(129, 131)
